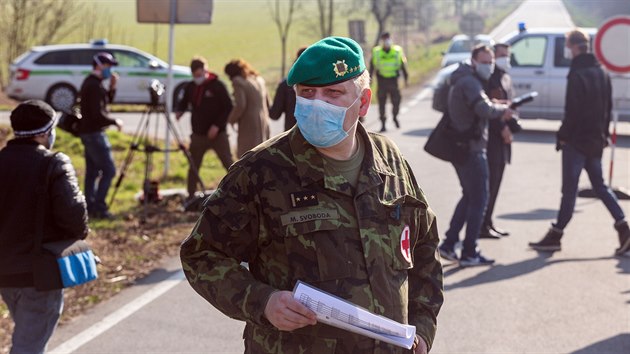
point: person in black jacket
(499, 148)
(99, 162)
(582, 138)
(284, 101)
(210, 106)
(23, 160)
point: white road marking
(116, 317)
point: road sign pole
(169, 82)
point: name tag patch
(308, 215)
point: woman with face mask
(251, 105)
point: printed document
(343, 314)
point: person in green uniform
(326, 203)
(388, 61)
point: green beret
(329, 61)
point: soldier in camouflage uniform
(326, 203)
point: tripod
(142, 142)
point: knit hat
(31, 118)
(329, 61)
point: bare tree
(326, 17)
(382, 10)
(282, 16)
(33, 22)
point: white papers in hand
(343, 314)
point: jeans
(35, 314)
(572, 164)
(473, 177)
(99, 170)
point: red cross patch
(405, 244)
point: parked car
(461, 46)
(538, 64)
(54, 73)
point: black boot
(550, 243)
(383, 126)
(396, 122)
(624, 237)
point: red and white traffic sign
(612, 44)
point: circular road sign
(612, 44)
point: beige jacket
(250, 112)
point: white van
(538, 64)
(54, 73)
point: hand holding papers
(340, 313)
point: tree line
(25, 23)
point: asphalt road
(574, 301)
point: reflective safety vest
(387, 63)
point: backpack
(440, 95)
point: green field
(244, 28)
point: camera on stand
(147, 143)
(156, 90)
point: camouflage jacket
(276, 209)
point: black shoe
(447, 254)
(476, 260)
(383, 130)
(499, 231)
(396, 122)
(549, 243)
(487, 232)
(101, 215)
(624, 238)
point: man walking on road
(326, 203)
(388, 60)
(499, 149)
(582, 138)
(99, 162)
(210, 106)
(470, 109)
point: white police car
(54, 73)
(461, 46)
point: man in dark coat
(210, 106)
(24, 160)
(99, 161)
(284, 101)
(582, 138)
(499, 149)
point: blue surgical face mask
(106, 73)
(321, 123)
(51, 139)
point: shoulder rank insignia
(303, 199)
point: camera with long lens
(156, 90)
